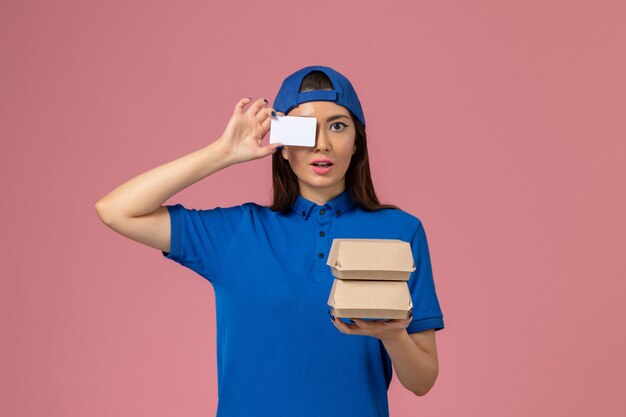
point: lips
(322, 163)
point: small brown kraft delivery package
(370, 278)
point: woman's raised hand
(245, 130)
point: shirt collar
(338, 205)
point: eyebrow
(337, 116)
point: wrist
(395, 338)
(224, 152)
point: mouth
(322, 167)
(322, 164)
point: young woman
(278, 352)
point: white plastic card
(293, 130)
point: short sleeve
(426, 309)
(201, 239)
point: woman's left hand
(383, 330)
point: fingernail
(265, 101)
(278, 149)
(331, 315)
(250, 98)
(352, 321)
(273, 113)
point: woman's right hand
(245, 130)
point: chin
(324, 182)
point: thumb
(269, 149)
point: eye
(340, 124)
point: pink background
(499, 124)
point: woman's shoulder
(255, 209)
(393, 214)
(224, 209)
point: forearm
(417, 370)
(147, 192)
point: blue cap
(343, 93)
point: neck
(321, 196)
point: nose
(322, 142)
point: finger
(404, 322)
(254, 107)
(276, 112)
(364, 324)
(345, 327)
(268, 149)
(373, 325)
(395, 324)
(241, 104)
(335, 320)
(338, 324)
(267, 121)
(264, 114)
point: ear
(354, 149)
(283, 152)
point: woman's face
(334, 142)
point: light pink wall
(499, 124)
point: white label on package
(293, 130)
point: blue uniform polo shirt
(278, 353)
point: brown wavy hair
(285, 188)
